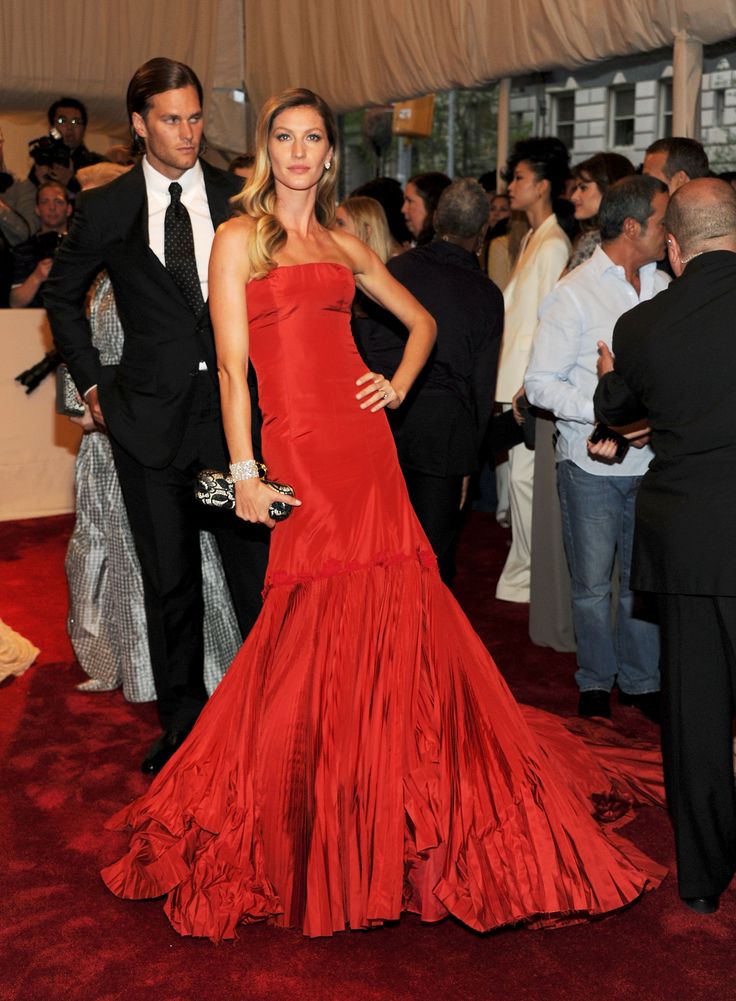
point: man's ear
(631, 228)
(674, 253)
(139, 124)
(677, 180)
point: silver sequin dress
(107, 624)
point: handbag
(216, 489)
(68, 403)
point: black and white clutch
(216, 489)
(68, 403)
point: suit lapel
(218, 196)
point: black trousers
(436, 503)
(699, 697)
(165, 520)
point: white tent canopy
(354, 54)
(375, 51)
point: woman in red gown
(363, 755)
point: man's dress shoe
(703, 905)
(647, 703)
(595, 702)
(162, 749)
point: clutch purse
(217, 489)
(67, 398)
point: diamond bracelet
(246, 470)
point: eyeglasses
(62, 120)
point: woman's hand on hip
(377, 393)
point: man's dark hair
(629, 198)
(240, 161)
(549, 159)
(683, 154)
(488, 181)
(67, 102)
(155, 77)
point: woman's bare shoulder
(356, 252)
(237, 229)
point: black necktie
(181, 262)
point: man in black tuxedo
(152, 230)
(675, 359)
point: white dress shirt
(194, 198)
(581, 310)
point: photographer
(68, 118)
(32, 259)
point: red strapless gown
(363, 755)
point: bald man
(675, 364)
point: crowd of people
(481, 321)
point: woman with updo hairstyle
(593, 177)
(421, 195)
(537, 170)
(362, 756)
(364, 217)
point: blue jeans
(598, 523)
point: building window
(664, 109)
(563, 117)
(719, 104)
(621, 116)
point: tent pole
(687, 79)
(451, 116)
(502, 130)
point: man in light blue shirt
(598, 499)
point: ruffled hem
(336, 568)
(363, 756)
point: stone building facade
(626, 104)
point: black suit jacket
(145, 397)
(675, 363)
(440, 426)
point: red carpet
(70, 760)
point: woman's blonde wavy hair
(258, 198)
(369, 220)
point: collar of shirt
(157, 184)
(601, 264)
(194, 198)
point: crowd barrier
(37, 447)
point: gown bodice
(315, 436)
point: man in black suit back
(152, 230)
(675, 359)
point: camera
(46, 244)
(49, 149)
